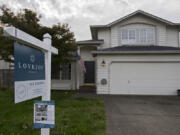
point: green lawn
(74, 116)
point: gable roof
(94, 28)
(137, 49)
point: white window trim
(128, 41)
(132, 41)
(146, 31)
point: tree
(28, 21)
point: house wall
(85, 53)
(172, 37)
(105, 34)
(165, 35)
(104, 72)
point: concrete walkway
(142, 115)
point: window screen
(124, 34)
(55, 71)
(150, 35)
(132, 35)
(65, 71)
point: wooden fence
(7, 78)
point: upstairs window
(138, 36)
(132, 36)
(124, 34)
(128, 36)
(146, 36)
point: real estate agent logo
(32, 58)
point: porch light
(103, 63)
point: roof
(94, 28)
(90, 42)
(138, 49)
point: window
(61, 71)
(65, 72)
(55, 71)
(132, 35)
(138, 36)
(150, 36)
(142, 36)
(124, 34)
(128, 36)
(146, 36)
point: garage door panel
(146, 91)
(145, 78)
(153, 83)
(119, 82)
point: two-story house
(137, 54)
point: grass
(74, 116)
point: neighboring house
(137, 54)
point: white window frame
(138, 37)
(124, 41)
(146, 36)
(128, 41)
(131, 41)
(153, 36)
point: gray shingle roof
(138, 49)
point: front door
(89, 76)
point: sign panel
(29, 72)
(44, 114)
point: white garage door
(145, 78)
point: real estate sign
(29, 72)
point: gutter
(136, 52)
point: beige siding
(172, 37)
(161, 35)
(114, 36)
(85, 53)
(104, 72)
(105, 35)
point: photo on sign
(41, 112)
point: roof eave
(137, 52)
(98, 42)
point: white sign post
(47, 93)
(44, 46)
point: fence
(7, 78)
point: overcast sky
(79, 14)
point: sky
(80, 14)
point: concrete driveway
(143, 115)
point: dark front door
(89, 76)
